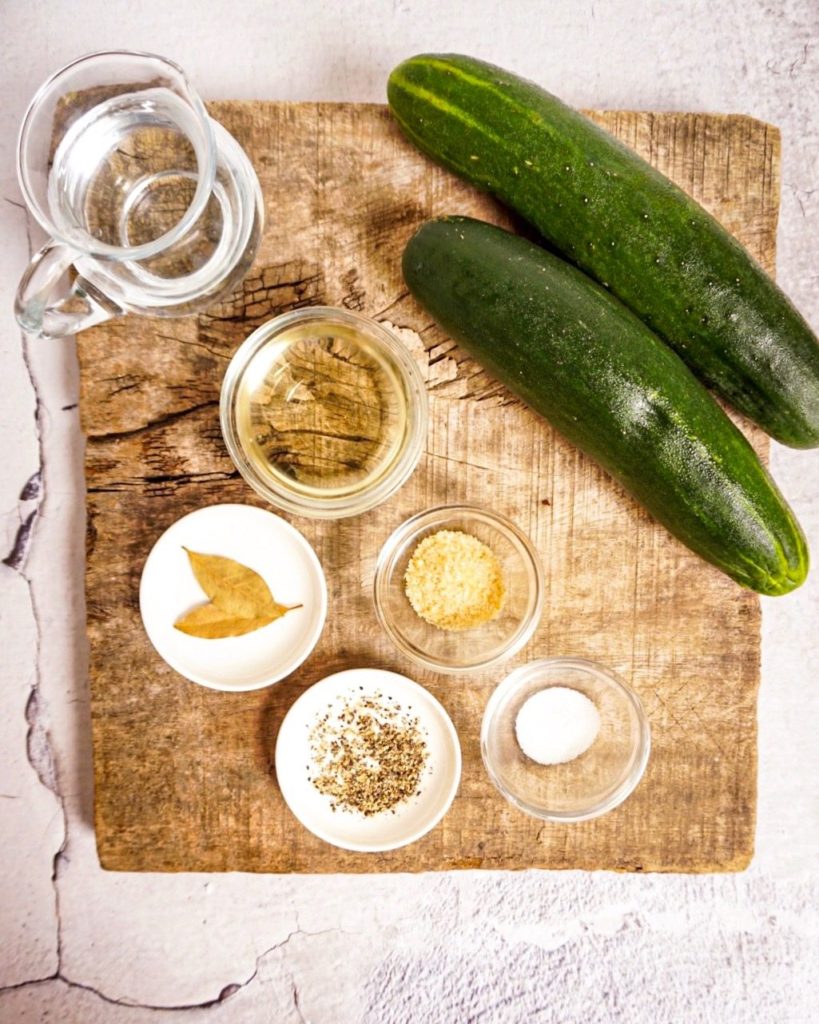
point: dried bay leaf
(240, 600)
(210, 623)
(230, 585)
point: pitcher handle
(49, 304)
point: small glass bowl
(324, 412)
(593, 783)
(465, 650)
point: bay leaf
(211, 623)
(240, 600)
(231, 586)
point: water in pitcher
(127, 173)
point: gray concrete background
(79, 944)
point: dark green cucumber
(627, 226)
(576, 355)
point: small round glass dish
(324, 412)
(462, 650)
(593, 783)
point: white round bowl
(263, 542)
(349, 829)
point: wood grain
(184, 776)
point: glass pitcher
(152, 206)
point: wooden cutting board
(184, 776)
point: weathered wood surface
(184, 776)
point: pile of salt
(556, 724)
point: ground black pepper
(369, 756)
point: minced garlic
(454, 581)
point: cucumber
(627, 226)
(577, 356)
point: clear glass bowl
(324, 412)
(593, 783)
(467, 649)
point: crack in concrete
(798, 193)
(30, 493)
(223, 996)
(16, 558)
(38, 744)
(296, 1004)
(39, 749)
(32, 488)
(226, 993)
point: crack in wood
(168, 478)
(162, 421)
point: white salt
(556, 725)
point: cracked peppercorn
(369, 755)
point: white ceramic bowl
(348, 829)
(265, 543)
